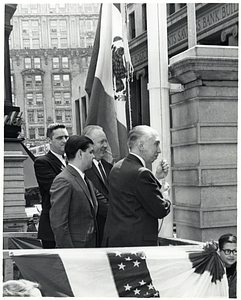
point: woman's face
(229, 258)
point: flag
(107, 79)
(165, 272)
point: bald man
(135, 198)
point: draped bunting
(165, 271)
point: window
(53, 24)
(82, 42)
(36, 62)
(26, 43)
(65, 62)
(29, 97)
(28, 81)
(25, 27)
(63, 26)
(54, 42)
(34, 24)
(31, 133)
(66, 97)
(144, 21)
(57, 98)
(38, 80)
(57, 81)
(40, 116)
(68, 115)
(61, 7)
(63, 43)
(55, 62)
(89, 42)
(58, 116)
(39, 98)
(66, 80)
(11, 64)
(27, 63)
(36, 43)
(61, 80)
(132, 25)
(88, 24)
(41, 132)
(30, 116)
(34, 8)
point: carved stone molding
(142, 73)
(232, 30)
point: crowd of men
(89, 202)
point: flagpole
(129, 67)
(158, 87)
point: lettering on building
(204, 22)
(139, 57)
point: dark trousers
(48, 244)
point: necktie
(102, 173)
(64, 160)
(87, 183)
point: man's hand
(162, 169)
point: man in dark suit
(135, 198)
(73, 200)
(99, 171)
(47, 167)
(33, 227)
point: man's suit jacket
(135, 205)
(32, 228)
(73, 211)
(47, 167)
(94, 175)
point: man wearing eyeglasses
(228, 253)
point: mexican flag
(107, 78)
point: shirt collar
(60, 157)
(78, 170)
(95, 161)
(140, 158)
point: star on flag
(131, 275)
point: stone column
(204, 141)
(14, 215)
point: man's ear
(80, 152)
(48, 140)
(141, 145)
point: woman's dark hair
(226, 238)
(76, 142)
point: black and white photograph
(120, 151)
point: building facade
(50, 51)
(189, 94)
(216, 24)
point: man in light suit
(47, 167)
(95, 173)
(73, 198)
(135, 198)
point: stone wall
(204, 141)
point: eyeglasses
(228, 251)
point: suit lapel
(55, 160)
(83, 185)
(97, 172)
